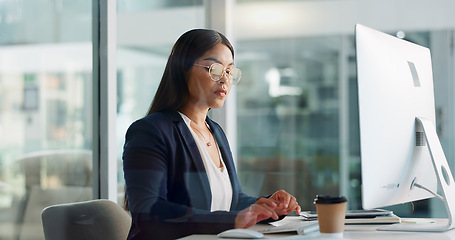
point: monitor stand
(445, 181)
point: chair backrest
(39, 198)
(94, 219)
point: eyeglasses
(217, 70)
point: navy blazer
(166, 183)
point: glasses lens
(216, 71)
(236, 75)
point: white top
(220, 184)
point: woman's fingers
(284, 198)
(255, 213)
(267, 202)
(286, 203)
(264, 210)
(280, 203)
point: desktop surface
(361, 231)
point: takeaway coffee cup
(331, 212)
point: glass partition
(297, 112)
(297, 117)
(288, 116)
(146, 32)
(45, 110)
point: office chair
(89, 220)
(51, 177)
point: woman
(179, 172)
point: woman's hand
(263, 209)
(286, 203)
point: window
(297, 114)
(45, 110)
(142, 52)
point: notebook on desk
(392, 218)
(375, 216)
(296, 225)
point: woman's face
(204, 92)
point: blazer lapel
(227, 157)
(194, 188)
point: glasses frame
(229, 76)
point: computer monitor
(401, 157)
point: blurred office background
(292, 120)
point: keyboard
(299, 226)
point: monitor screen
(395, 85)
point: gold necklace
(207, 142)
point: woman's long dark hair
(172, 93)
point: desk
(364, 232)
